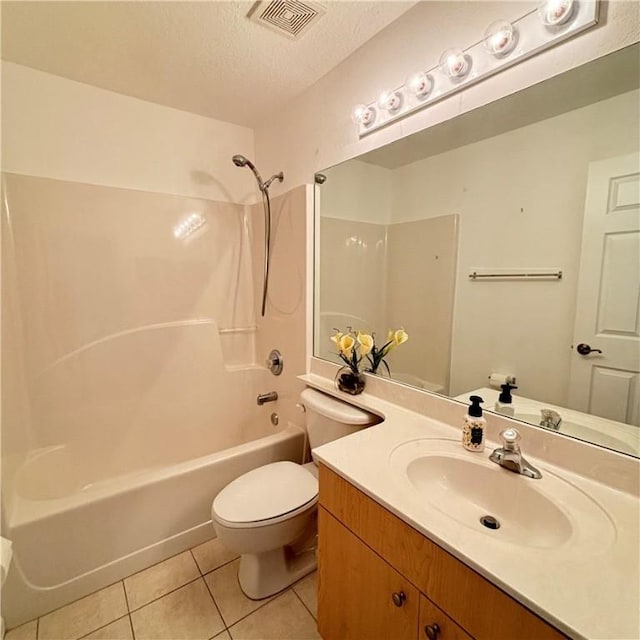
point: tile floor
(192, 596)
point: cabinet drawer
(357, 589)
(435, 624)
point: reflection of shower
(241, 161)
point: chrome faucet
(270, 396)
(510, 457)
(550, 419)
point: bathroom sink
(466, 487)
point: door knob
(432, 631)
(584, 349)
(398, 598)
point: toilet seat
(267, 495)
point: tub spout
(271, 396)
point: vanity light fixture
(390, 100)
(504, 44)
(363, 115)
(555, 12)
(500, 38)
(454, 63)
(419, 84)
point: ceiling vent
(289, 18)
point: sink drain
(490, 522)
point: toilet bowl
(269, 514)
(261, 515)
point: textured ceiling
(203, 57)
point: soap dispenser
(504, 405)
(474, 425)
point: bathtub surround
(108, 433)
(131, 352)
(108, 255)
(287, 312)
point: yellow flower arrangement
(353, 346)
(377, 356)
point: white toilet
(268, 515)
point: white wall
(57, 128)
(358, 191)
(315, 131)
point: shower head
(239, 161)
(320, 178)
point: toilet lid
(267, 492)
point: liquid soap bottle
(474, 425)
(504, 405)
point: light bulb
(362, 114)
(555, 12)
(390, 100)
(420, 84)
(454, 64)
(500, 38)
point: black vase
(350, 382)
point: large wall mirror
(500, 241)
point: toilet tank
(329, 418)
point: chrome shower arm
(275, 176)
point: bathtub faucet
(271, 396)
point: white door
(607, 384)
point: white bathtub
(75, 531)
(129, 453)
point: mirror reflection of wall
(388, 274)
(500, 189)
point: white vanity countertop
(593, 594)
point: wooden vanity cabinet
(380, 579)
(358, 588)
